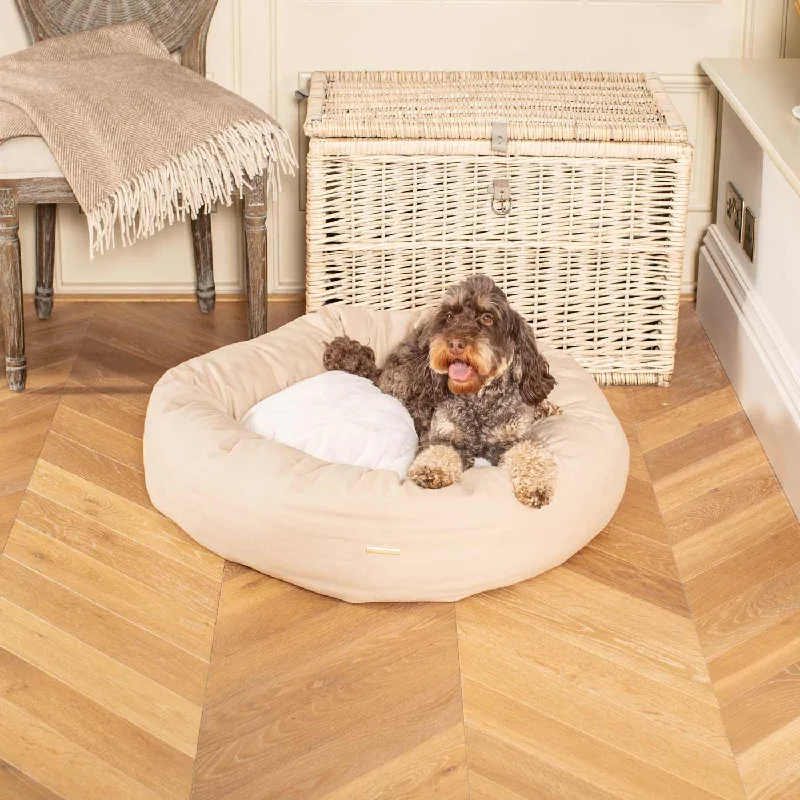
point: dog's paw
(533, 472)
(431, 477)
(436, 467)
(348, 355)
(550, 409)
(533, 493)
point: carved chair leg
(45, 254)
(11, 288)
(204, 262)
(255, 234)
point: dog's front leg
(436, 466)
(533, 472)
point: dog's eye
(449, 317)
(487, 319)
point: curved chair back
(179, 24)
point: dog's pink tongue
(459, 371)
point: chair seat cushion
(27, 157)
(355, 533)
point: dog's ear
(529, 368)
(421, 330)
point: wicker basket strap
(658, 151)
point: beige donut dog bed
(357, 534)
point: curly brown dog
(475, 384)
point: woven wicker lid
(537, 106)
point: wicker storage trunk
(569, 189)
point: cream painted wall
(264, 48)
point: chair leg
(255, 233)
(45, 254)
(11, 288)
(204, 262)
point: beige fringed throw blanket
(140, 139)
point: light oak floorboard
(59, 763)
(119, 514)
(101, 732)
(133, 558)
(609, 768)
(434, 770)
(98, 436)
(744, 667)
(732, 536)
(17, 785)
(688, 418)
(176, 623)
(121, 640)
(762, 561)
(488, 634)
(769, 768)
(147, 704)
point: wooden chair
(29, 174)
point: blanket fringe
(206, 174)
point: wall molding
(654, 2)
(515, 2)
(133, 287)
(759, 363)
(273, 224)
(764, 28)
(747, 302)
(162, 297)
(787, 9)
(748, 28)
(701, 196)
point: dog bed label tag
(384, 551)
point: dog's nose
(457, 346)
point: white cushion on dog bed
(339, 418)
(355, 533)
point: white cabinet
(751, 308)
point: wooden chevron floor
(663, 661)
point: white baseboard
(762, 369)
(134, 288)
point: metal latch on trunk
(499, 137)
(501, 197)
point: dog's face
(475, 336)
(471, 340)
